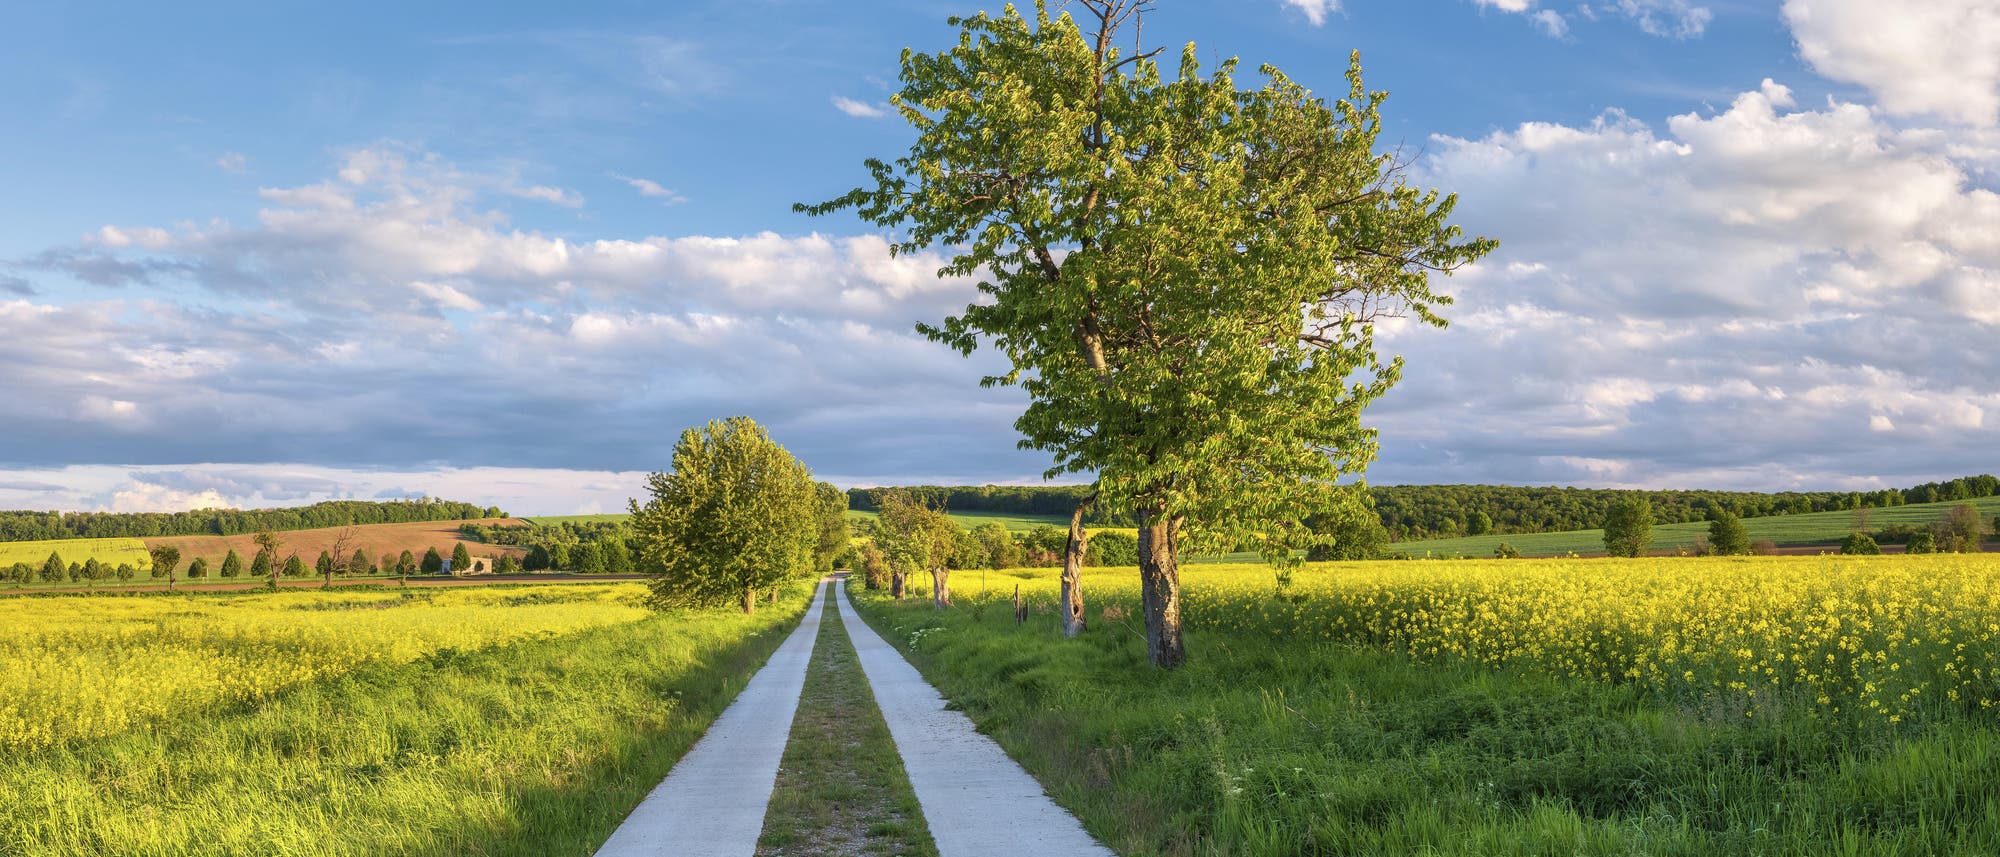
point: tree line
(263, 564)
(1628, 531)
(1415, 512)
(21, 526)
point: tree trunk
(749, 601)
(1020, 609)
(940, 588)
(1160, 586)
(896, 585)
(1071, 602)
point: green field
(492, 721)
(546, 520)
(1817, 528)
(111, 552)
(1359, 712)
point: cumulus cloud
(176, 488)
(388, 316)
(1939, 57)
(859, 109)
(1765, 296)
(1315, 10)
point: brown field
(376, 539)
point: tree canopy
(1184, 273)
(737, 514)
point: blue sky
(259, 253)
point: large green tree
(1628, 527)
(1727, 536)
(736, 515)
(1185, 273)
(166, 559)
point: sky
(256, 254)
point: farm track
(317, 583)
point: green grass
(546, 520)
(536, 748)
(1816, 528)
(841, 788)
(1276, 746)
(112, 552)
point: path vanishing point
(977, 801)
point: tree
(1960, 530)
(261, 566)
(1628, 528)
(268, 543)
(166, 558)
(1478, 524)
(54, 570)
(21, 573)
(461, 559)
(359, 564)
(295, 567)
(1001, 549)
(737, 514)
(1726, 535)
(1860, 544)
(1922, 541)
(1185, 275)
(406, 563)
(916, 537)
(198, 568)
(232, 565)
(874, 565)
(1351, 531)
(433, 562)
(833, 534)
(589, 558)
(330, 559)
(617, 556)
(324, 566)
(124, 571)
(94, 571)
(1506, 551)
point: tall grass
(1276, 740)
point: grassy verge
(1264, 745)
(841, 788)
(535, 748)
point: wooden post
(1020, 607)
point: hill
(1810, 530)
(113, 552)
(375, 539)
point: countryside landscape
(1163, 428)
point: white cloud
(551, 195)
(1315, 10)
(860, 109)
(1668, 18)
(651, 189)
(1938, 57)
(1740, 299)
(1677, 19)
(234, 162)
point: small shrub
(1860, 544)
(1763, 547)
(1506, 551)
(1923, 541)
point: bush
(1727, 537)
(198, 568)
(1860, 544)
(1506, 551)
(1113, 549)
(1922, 541)
(1763, 547)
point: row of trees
(912, 535)
(16, 526)
(262, 564)
(1628, 531)
(587, 547)
(1414, 512)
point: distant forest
(34, 526)
(1412, 512)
